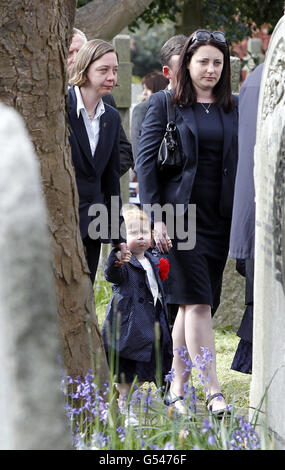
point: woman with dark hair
(153, 82)
(207, 125)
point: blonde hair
(131, 212)
(88, 53)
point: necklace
(206, 109)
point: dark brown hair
(185, 93)
(172, 47)
(155, 81)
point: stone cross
(268, 377)
(31, 401)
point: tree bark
(190, 18)
(33, 52)
(106, 18)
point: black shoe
(168, 400)
(219, 414)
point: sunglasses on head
(204, 35)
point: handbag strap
(169, 106)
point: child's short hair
(131, 212)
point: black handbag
(170, 157)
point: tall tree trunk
(190, 18)
(34, 41)
(106, 18)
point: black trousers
(92, 250)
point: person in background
(243, 221)
(78, 39)
(207, 124)
(94, 140)
(169, 57)
(138, 302)
(126, 155)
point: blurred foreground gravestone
(31, 401)
(268, 374)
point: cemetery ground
(98, 425)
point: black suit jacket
(126, 155)
(177, 190)
(98, 176)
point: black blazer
(126, 154)
(98, 177)
(177, 190)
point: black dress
(195, 275)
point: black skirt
(194, 278)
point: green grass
(97, 423)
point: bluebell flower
(148, 399)
(206, 426)
(121, 433)
(184, 355)
(211, 440)
(245, 437)
(169, 446)
(170, 376)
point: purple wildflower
(148, 399)
(121, 433)
(184, 356)
(169, 446)
(153, 446)
(245, 437)
(211, 440)
(206, 426)
(100, 440)
(170, 376)
(203, 363)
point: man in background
(243, 219)
(169, 57)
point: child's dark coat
(133, 300)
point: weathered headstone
(31, 401)
(122, 95)
(269, 274)
(235, 74)
(254, 56)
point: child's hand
(123, 256)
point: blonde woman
(94, 138)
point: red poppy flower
(163, 268)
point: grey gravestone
(269, 292)
(254, 56)
(31, 401)
(122, 95)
